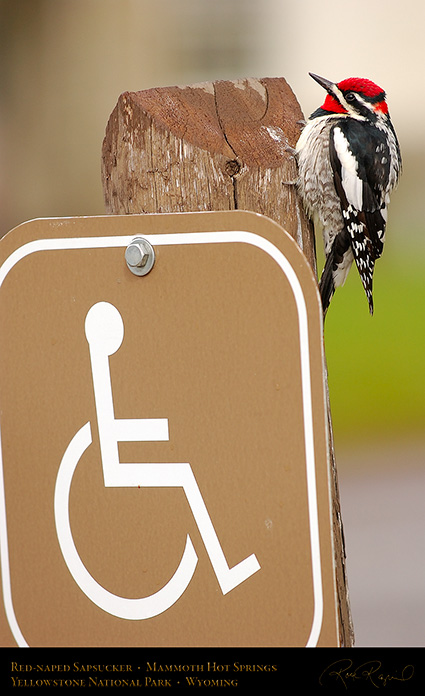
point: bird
(349, 162)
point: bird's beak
(323, 82)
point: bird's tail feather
(326, 285)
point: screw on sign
(140, 256)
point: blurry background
(63, 64)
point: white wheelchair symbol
(105, 332)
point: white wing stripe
(352, 184)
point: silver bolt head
(140, 256)
(135, 255)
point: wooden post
(221, 145)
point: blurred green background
(63, 64)
(376, 365)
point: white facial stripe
(349, 107)
(337, 92)
(339, 95)
(352, 184)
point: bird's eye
(350, 97)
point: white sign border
(217, 237)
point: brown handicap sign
(165, 473)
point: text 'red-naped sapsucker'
(349, 161)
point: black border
(239, 670)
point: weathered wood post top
(212, 146)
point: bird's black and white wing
(360, 161)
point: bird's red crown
(361, 85)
